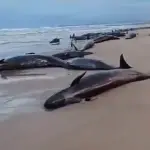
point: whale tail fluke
(123, 63)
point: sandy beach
(117, 120)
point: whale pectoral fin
(123, 63)
(77, 79)
(73, 100)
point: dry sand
(118, 120)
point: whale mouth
(55, 101)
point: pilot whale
(68, 54)
(71, 54)
(41, 61)
(31, 61)
(93, 64)
(86, 87)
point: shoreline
(17, 42)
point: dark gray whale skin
(31, 61)
(41, 61)
(104, 38)
(93, 64)
(85, 88)
(71, 54)
(55, 41)
(68, 54)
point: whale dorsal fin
(77, 79)
(123, 63)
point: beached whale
(130, 36)
(31, 61)
(85, 36)
(81, 37)
(68, 54)
(55, 41)
(93, 64)
(85, 88)
(91, 35)
(104, 38)
(116, 33)
(71, 54)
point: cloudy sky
(32, 11)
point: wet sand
(118, 119)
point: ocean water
(19, 41)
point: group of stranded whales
(87, 36)
(104, 36)
(83, 87)
(33, 60)
(41, 61)
(98, 39)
